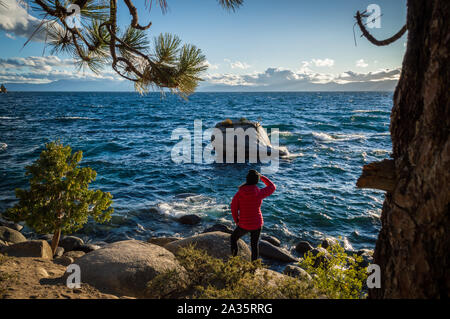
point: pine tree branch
(372, 39)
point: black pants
(254, 239)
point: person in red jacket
(246, 210)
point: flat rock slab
(216, 244)
(32, 248)
(126, 267)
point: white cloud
(16, 21)
(323, 63)
(283, 79)
(238, 64)
(361, 64)
(211, 66)
(46, 69)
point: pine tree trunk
(413, 245)
(55, 240)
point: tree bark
(55, 240)
(413, 246)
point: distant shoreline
(202, 92)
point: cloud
(211, 66)
(238, 64)
(361, 64)
(16, 21)
(305, 79)
(323, 63)
(35, 62)
(49, 69)
(46, 69)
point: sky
(290, 45)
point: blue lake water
(126, 138)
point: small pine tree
(59, 198)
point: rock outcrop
(190, 219)
(250, 138)
(32, 248)
(126, 267)
(271, 239)
(303, 247)
(270, 251)
(219, 227)
(71, 243)
(9, 235)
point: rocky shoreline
(109, 267)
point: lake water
(126, 138)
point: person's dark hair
(252, 177)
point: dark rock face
(190, 219)
(270, 251)
(219, 227)
(32, 248)
(303, 247)
(11, 236)
(70, 243)
(271, 239)
(413, 246)
(10, 225)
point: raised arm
(269, 189)
(235, 208)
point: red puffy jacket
(246, 204)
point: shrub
(227, 122)
(59, 198)
(235, 278)
(336, 275)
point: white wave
(195, 204)
(3, 146)
(324, 137)
(292, 155)
(8, 118)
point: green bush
(235, 278)
(336, 275)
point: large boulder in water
(250, 140)
(126, 267)
(216, 244)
